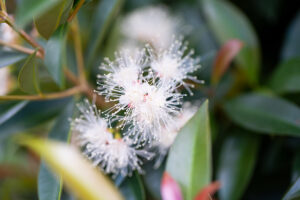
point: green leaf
(28, 8)
(291, 47)
(189, 161)
(104, 15)
(49, 21)
(286, 77)
(227, 22)
(84, 180)
(265, 114)
(55, 54)
(132, 188)
(236, 164)
(49, 186)
(9, 109)
(10, 57)
(33, 114)
(28, 78)
(294, 192)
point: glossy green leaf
(291, 47)
(49, 186)
(294, 191)
(104, 15)
(33, 114)
(189, 161)
(28, 8)
(8, 57)
(9, 109)
(265, 114)
(84, 180)
(236, 164)
(132, 188)
(49, 21)
(55, 53)
(28, 76)
(286, 77)
(227, 22)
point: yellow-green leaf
(84, 180)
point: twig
(75, 11)
(87, 89)
(78, 51)
(20, 48)
(24, 35)
(57, 95)
(81, 82)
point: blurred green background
(254, 107)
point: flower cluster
(146, 86)
(145, 89)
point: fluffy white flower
(121, 157)
(155, 108)
(152, 24)
(175, 64)
(168, 135)
(89, 126)
(148, 104)
(114, 156)
(7, 34)
(4, 80)
(124, 71)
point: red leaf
(169, 188)
(208, 191)
(225, 56)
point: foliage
(244, 135)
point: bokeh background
(254, 105)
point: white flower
(175, 64)
(114, 156)
(125, 70)
(156, 106)
(148, 104)
(91, 127)
(168, 135)
(151, 24)
(4, 80)
(121, 157)
(7, 34)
